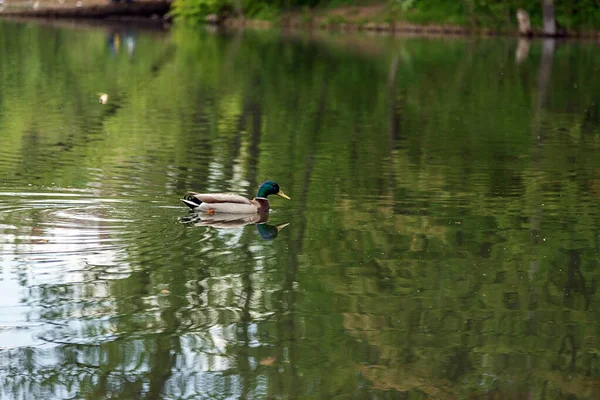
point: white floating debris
(103, 98)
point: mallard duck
(227, 203)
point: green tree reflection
(442, 241)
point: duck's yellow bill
(281, 226)
(281, 194)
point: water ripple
(59, 247)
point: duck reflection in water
(232, 221)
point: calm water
(443, 230)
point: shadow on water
(442, 239)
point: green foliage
(307, 17)
(196, 10)
(500, 14)
(583, 14)
(335, 20)
(261, 10)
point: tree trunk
(524, 23)
(549, 20)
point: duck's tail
(191, 201)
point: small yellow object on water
(268, 361)
(103, 98)
(164, 291)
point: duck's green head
(270, 187)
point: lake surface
(442, 237)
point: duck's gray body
(226, 203)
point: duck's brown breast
(261, 204)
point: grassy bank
(439, 15)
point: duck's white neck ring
(262, 198)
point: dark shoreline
(157, 11)
(154, 9)
(402, 28)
